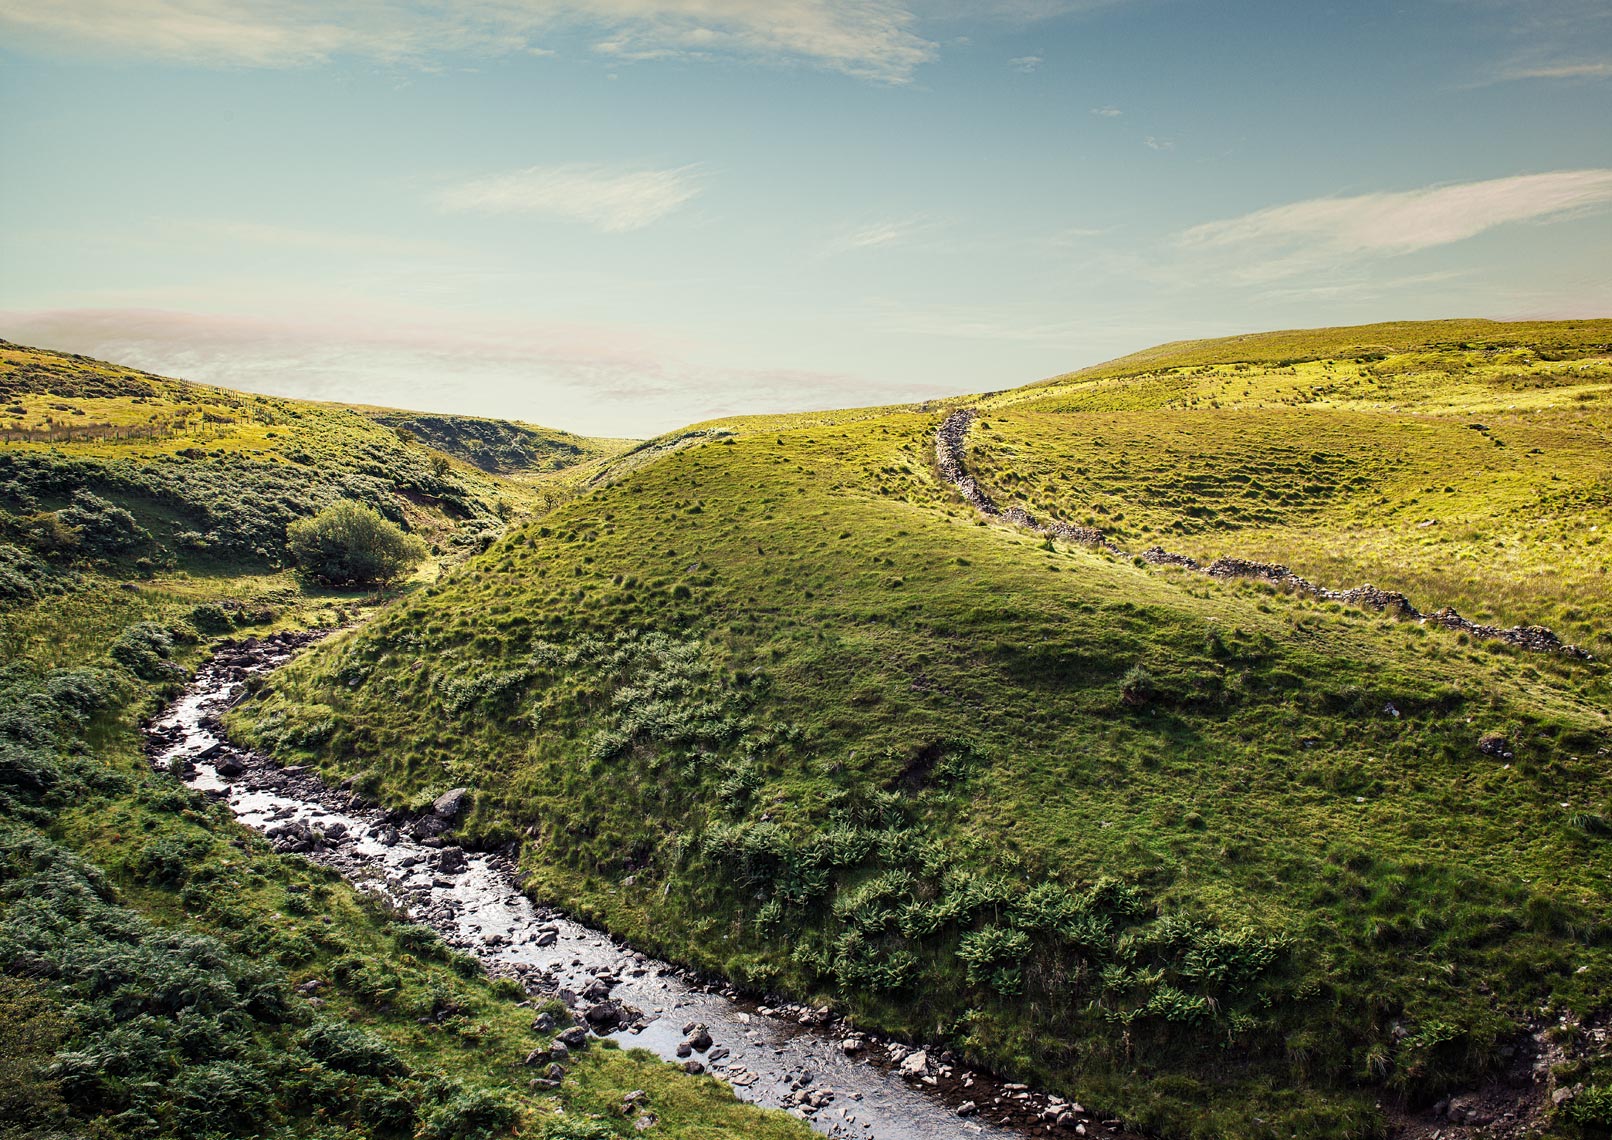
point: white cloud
(870, 38)
(892, 231)
(612, 201)
(1107, 112)
(1392, 223)
(1026, 63)
(1598, 69)
(1154, 143)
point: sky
(621, 216)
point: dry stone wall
(951, 451)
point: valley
(778, 701)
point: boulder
(604, 1016)
(574, 1038)
(450, 804)
(452, 861)
(694, 1068)
(967, 1108)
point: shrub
(470, 1116)
(348, 544)
(144, 649)
(351, 1050)
(101, 527)
(1591, 1110)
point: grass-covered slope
(1471, 469)
(500, 447)
(163, 973)
(211, 476)
(1220, 860)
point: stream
(802, 1059)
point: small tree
(348, 544)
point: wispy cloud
(890, 231)
(871, 38)
(1107, 112)
(1589, 69)
(1026, 63)
(1296, 236)
(614, 201)
(1153, 142)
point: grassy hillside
(1218, 859)
(499, 447)
(163, 973)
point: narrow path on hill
(951, 452)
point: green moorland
(1221, 860)
(154, 956)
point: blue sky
(619, 216)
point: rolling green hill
(1219, 858)
(156, 959)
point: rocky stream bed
(804, 1059)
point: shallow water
(795, 1058)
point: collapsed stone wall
(951, 442)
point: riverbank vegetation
(163, 972)
(772, 700)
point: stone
(851, 1046)
(694, 1068)
(543, 1022)
(604, 1016)
(229, 767)
(450, 804)
(595, 990)
(700, 1039)
(915, 1065)
(574, 1038)
(547, 938)
(452, 861)
(967, 1108)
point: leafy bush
(351, 1050)
(1591, 1111)
(470, 1115)
(144, 649)
(348, 544)
(102, 529)
(22, 576)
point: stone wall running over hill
(951, 450)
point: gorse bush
(144, 649)
(102, 529)
(349, 544)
